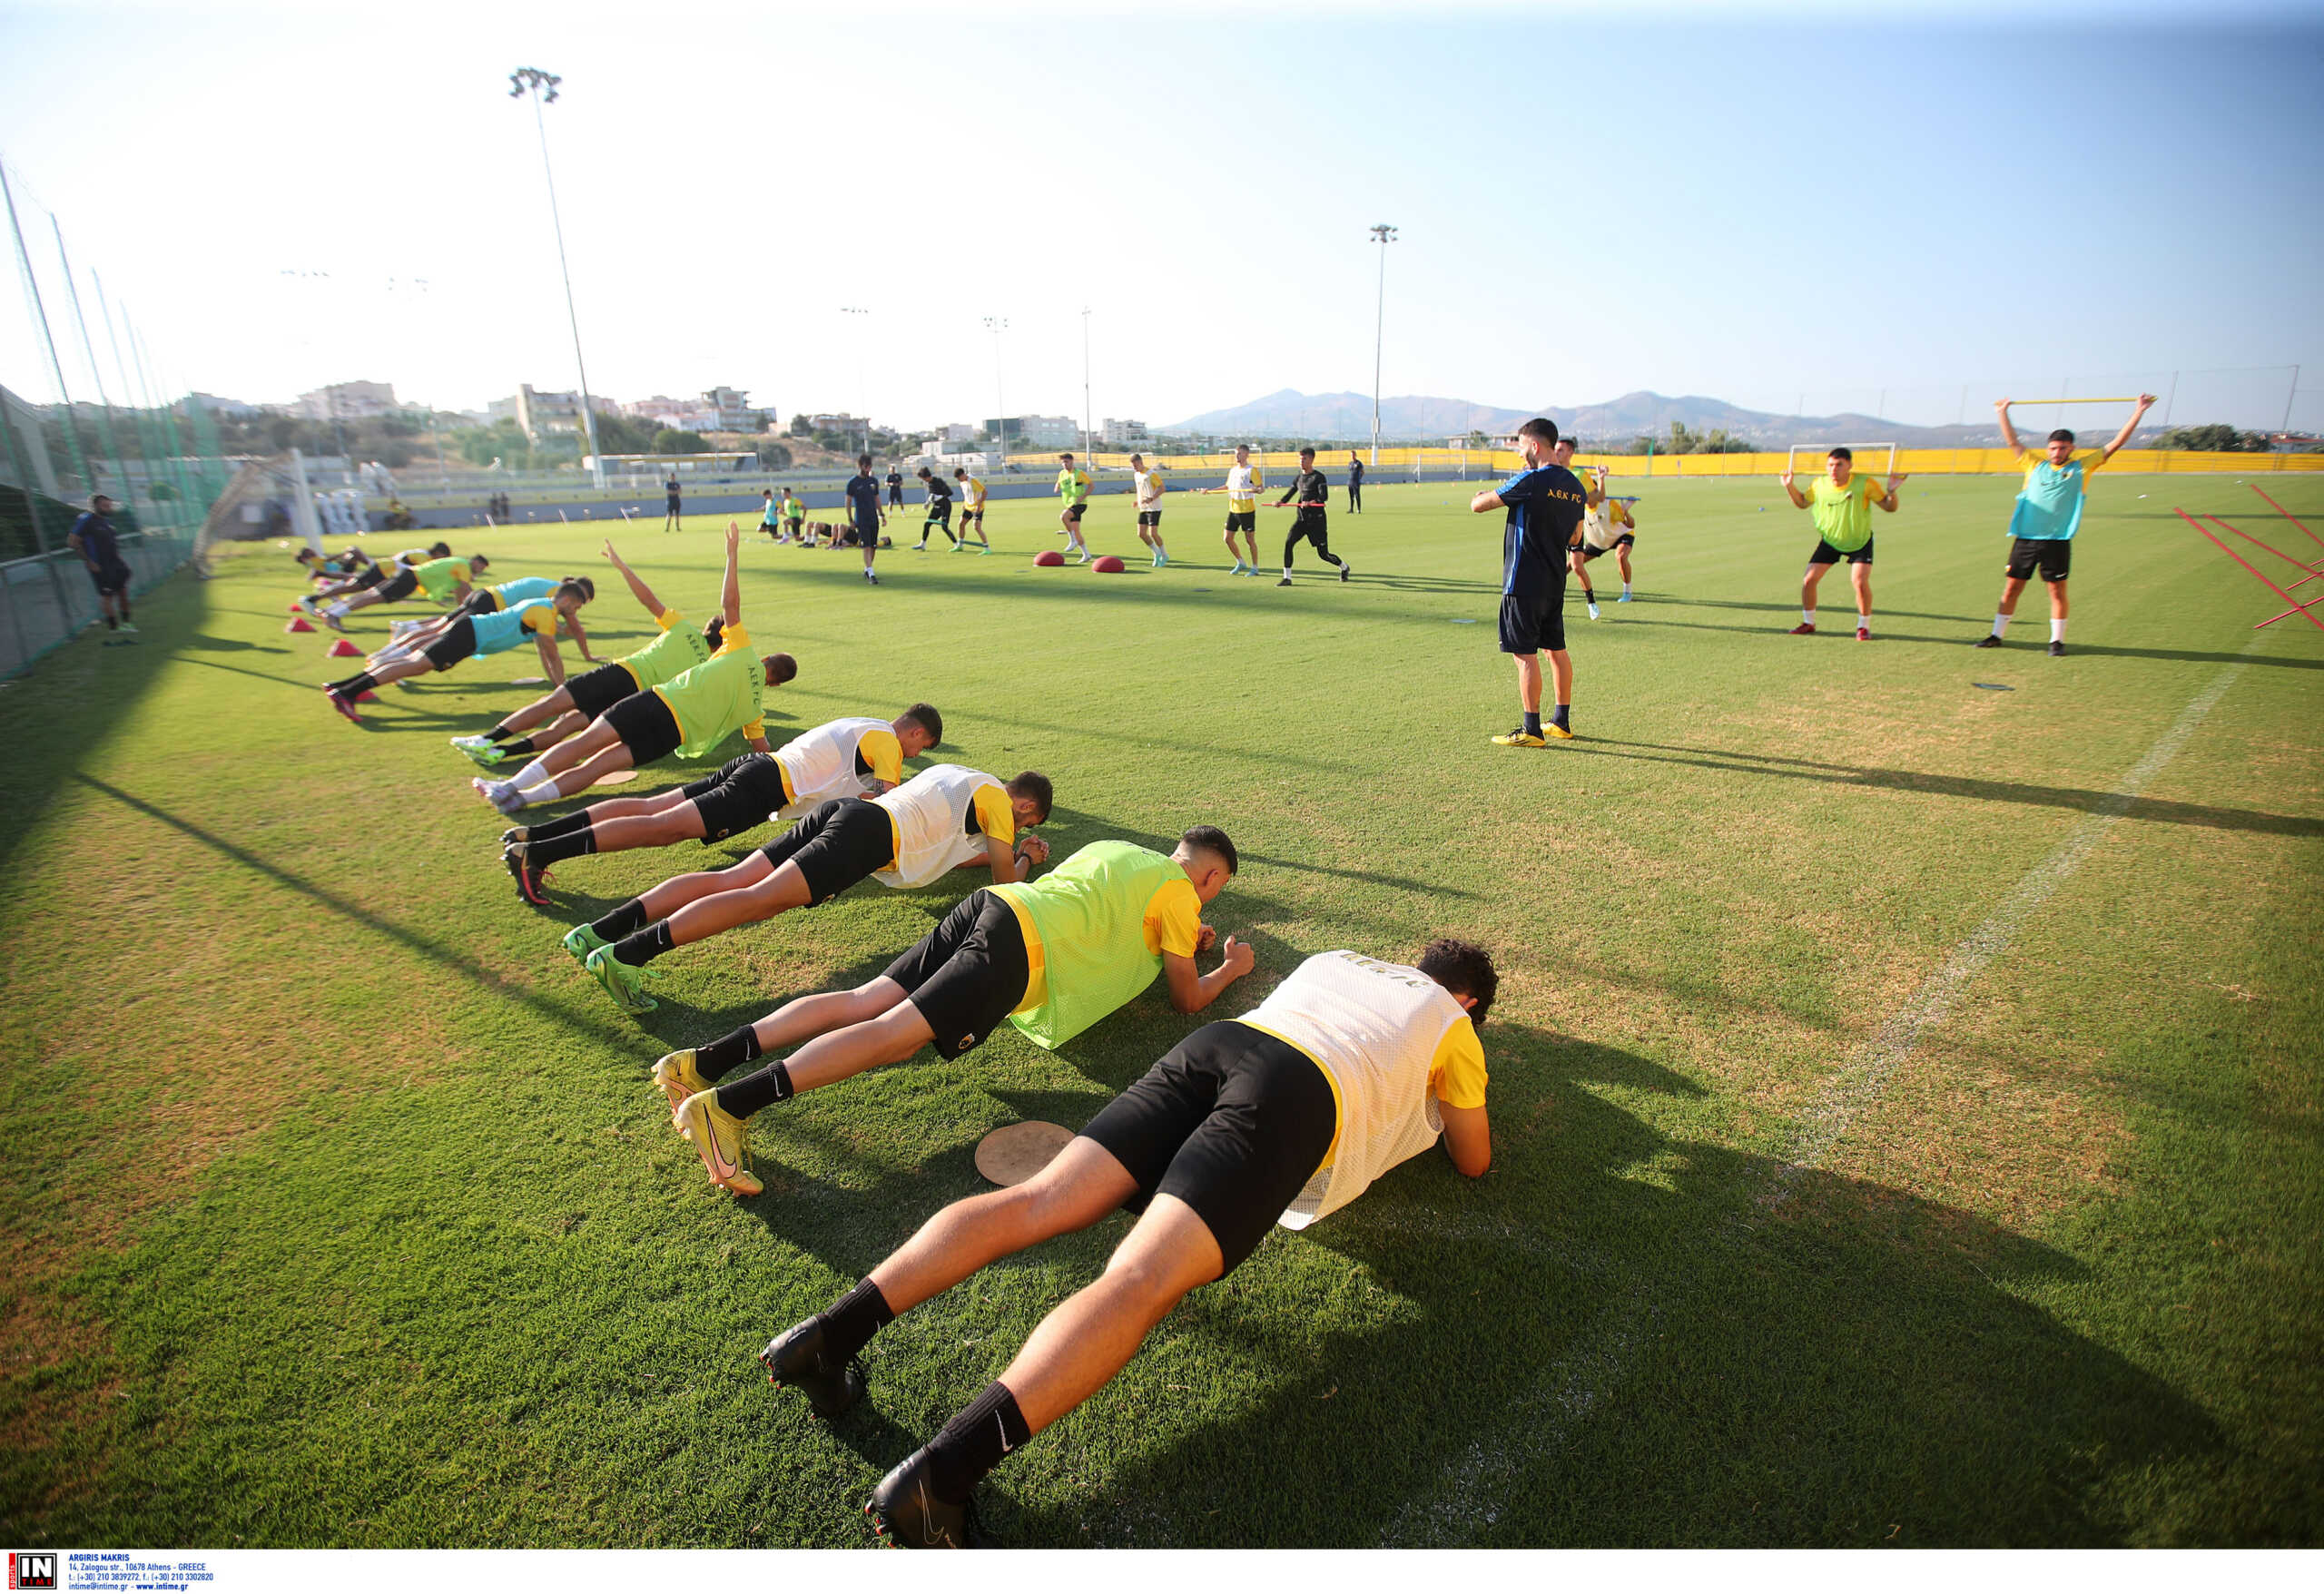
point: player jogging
(1147, 487)
(946, 817)
(863, 499)
(689, 714)
(971, 509)
(476, 637)
(1312, 494)
(2048, 514)
(1544, 504)
(841, 758)
(940, 508)
(570, 706)
(1051, 956)
(1242, 490)
(670, 504)
(1841, 503)
(1073, 487)
(1283, 1116)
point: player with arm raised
(1051, 956)
(689, 714)
(1147, 487)
(1283, 1116)
(2048, 514)
(1311, 493)
(1841, 503)
(1544, 504)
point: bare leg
(1529, 682)
(1561, 679)
(558, 702)
(613, 808)
(400, 670)
(665, 829)
(1622, 561)
(1083, 1184)
(590, 772)
(1860, 577)
(1808, 583)
(843, 1054)
(807, 1017)
(681, 890)
(726, 910)
(2057, 599)
(599, 738)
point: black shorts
(796, 523)
(2049, 555)
(1243, 520)
(1073, 512)
(112, 579)
(1825, 553)
(968, 514)
(968, 974)
(372, 576)
(842, 842)
(1533, 621)
(1312, 526)
(744, 793)
(1233, 1122)
(1589, 552)
(1149, 517)
(594, 692)
(670, 507)
(867, 533)
(940, 514)
(646, 726)
(483, 601)
(458, 643)
(399, 587)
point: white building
(346, 401)
(731, 409)
(1124, 434)
(1037, 431)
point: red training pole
(2309, 571)
(2286, 514)
(2296, 606)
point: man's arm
(730, 595)
(1593, 490)
(461, 591)
(1888, 498)
(1010, 864)
(1799, 499)
(637, 589)
(1468, 1137)
(580, 638)
(1190, 990)
(2146, 402)
(552, 661)
(2009, 432)
(1485, 503)
(73, 541)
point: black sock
(638, 950)
(850, 1322)
(747, 1095)
(125, 611)
(542, 852)
(112, 624)
(497, 732)
(1532, 722)
(627, 920)
(723, 1055)
(972, 1443)
(564, 824)
(522, 748)
(1557, 715)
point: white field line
(1469, 1492)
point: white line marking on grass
(1468, 1494)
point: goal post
(1816, 452)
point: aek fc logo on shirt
(32, 1568)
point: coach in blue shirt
(93, 537)
(863, 498)
(1544, 502)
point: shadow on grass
(1967, 788)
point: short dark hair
(785, 667)
(2062, 436)
(864, 462)
(1067, 455)
(1306, 453)
(439, 550)
(1210, 838)
(923, 473)
(959, 470)
(715, 629)
(1463, 970)
(1034, 784)
(479, 562)
(925, 716)
(303, 554)
(1847, 454)
(1541, 427)
(578, 587)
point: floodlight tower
(1383, 235)
(542, 86)
(1085, 384)
(861, 388)
(997, 325)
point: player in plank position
(1841, 503)
(351, 562)
(477, 636)
(411, 636)
(570, 705)
(1242, 490)
(794, 517)
(445, 581)
(2048, 514)
(1283, 1116)
(1606, 528)
(1312, 493)
(940, 508)
(946, 817)
(1051, 956)
(689, 714)
(1073, 491)
(971, 510)
(1544, 504)
(377, 576)
(1147, 487)
(844, 758)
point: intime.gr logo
(33, 1568)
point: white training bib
(1376, 1027)
(821, 765)
(932, 815)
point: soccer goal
(1816, 451)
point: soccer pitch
(340, 1211)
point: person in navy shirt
(94, 538)
(863, 498)
(1544, 502)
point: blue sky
(1773, 207)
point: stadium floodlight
(997, 325)
(1821, 450)
(861, 388)
(542, 86)
(1383, 235)
(1085, 384)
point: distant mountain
(1347, 417)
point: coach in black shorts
(1544, 503)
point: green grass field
(338, 1209)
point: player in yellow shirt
(1073, 488)
(971, 509)
(1244, 482)
(1350, 1066)
(690, 714)
(1841, 503)
(1147, 487)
